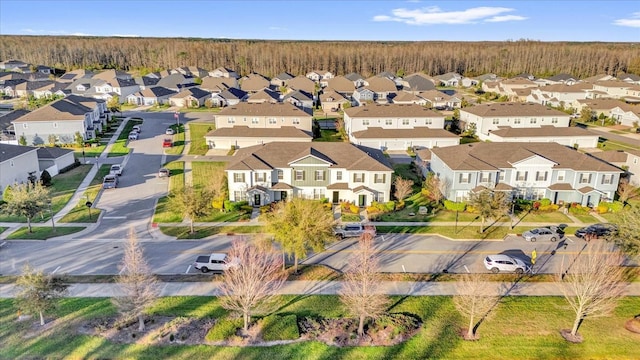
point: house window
(280, 175)
(272, 121)
(240, 195)
(560, 175)
(585, 178)
(381, 197)
(496, 121)
(24, 125)
(388, 122)
(238, 177)
(635, 160)
(296, 121)
(607, 178)
(358, 177)
(299, 175)
(318, 194)
(11, 163)
(260, 177)
(485, 177)
(521, 176)
(554, 120)
(319, 175)
(428, 121)
(464, 178)
(231, 120)
(55, 124)
(541, 176)
(533, 121)
(502, 174)
(379, 178)
(516, 121)
(405, 121)
(255, 120)
(338, 175)
(365, 122)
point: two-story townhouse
(151, 96)
(568, 136)
(614, 88)
(223, 72)
(336, 171)
(525, 170)
(300, 98)
(599, 106)
(629, 160)
(63, 119)
(508, 86)
(490, 117)
(246, 124)
(33, 88)
(382, 87)
(357, 79)
(17, 163)
(396, 127)
(564, 95)
(332, 101)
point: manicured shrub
(277, 327)
(454, 206)
(390, 205)
(224, 329)
(605, 207)
(354, 209)
(578, 209)
(218, 204)
(549, 208)
(545, 202)
(246, 208)
(45, 178)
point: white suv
(353, 230)
(217, 262)
(497, 263)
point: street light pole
(53, 225)
(513, 208)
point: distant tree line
(270, 58)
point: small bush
(224, 329)
(246, 208)
(545, 202)
(549, 208)
(236, 206)
(454, 206)
(45, 178)
(218, 204)
(390, 205)
(470, 209)
(265, 209)
(354, 209)
(277, 327)
(605, 207)
(578, 209)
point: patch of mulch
(464, 333)
(633, 325)
(566, 334)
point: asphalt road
(617, 138)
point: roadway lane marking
(114, 217)
(56, 270)
(123, 269)
(188, 268)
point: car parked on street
(497, 263)
(544, 234)
(596, 231)
(217, 262)
(353, 230)
(167, 143)
(110, 182)
(116, 169)
(133, 135)
(164, 172)
(169, 131)
(137, 128)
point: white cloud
(503, 18)
(80, 34)
(125, 35)
(633, 21)
(434, 15)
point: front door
(256, 200)
(362, 200)
(336, 197)
(283, 195)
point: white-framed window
(405, 121)
(541, 176)
(381, 197)
(554, 120)
(365, 122)
(537, 194)
(231, 120)
(464, 178)
(272, 121)
(428, 121)
(55, 124)
(319, 175)
(496, 121)
(533, 121)
(240, 195)
(521, 176)
(238, 177)
(280, 175)
(299, 175)
(502, 175)
(318, 194)
(296, 121)
(388, 122)
(561, 175)
(585, 178)
(25, 125)
(607, 178)
(485, 177)
(516, 121)
(358, 177)
(338, 175)
(379, 178)
(260, 177)
(255, 120)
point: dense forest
(340, 57)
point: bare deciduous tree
(139, 286)
(627, 191)
(592, 282)
(38, 293)
(490, 205)
(436, 187)
(404, 187)
(475, 300)
(361, 290)
(628, 235)
(251, 280)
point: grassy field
(519, 328)
(204, 171)
(80, 213)
(62, 189)
(176, 184)
(586, 218)
(119, 148)
(43, 233)
(329, 136)
(197, 132)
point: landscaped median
(43, 232)
(120, 148)
(81, 213)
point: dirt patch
(566, 334)
(633, 325)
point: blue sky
(329, 20)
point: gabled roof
(420, 132)
(619, 156)
(340, 84)
(192, 91)
(613, 84)
(175, 81)
(264, 95)
(561, 77)
(404, 96)
(381, 84)
(391, 110)
(302, 83)
(299, 95)
(8, 152)
(109, 75)
(283, 76)
(336, 96)
(280, 154)
(562, 88)
(494, 155)
(262, 109)
(264, 133)
(254, 82)
(513, 109)
(418, 82)
(232, 93)
(52, 152)
(543, 131)
(354, 77)
(72, 107)
(217, 83)
(146, 80)
(156, 91)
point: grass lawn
(119, 148)
(408, 171)
(197, 132)
(62, 188)
(586, 218)
(446, 215)
(80, 212)
(329, 136)
(203, 172)
(611, 217)
(551, 217)
(176, 184)
(519, 328)
(182, 232)
(608, 145)
(42, 233)
(90, 153)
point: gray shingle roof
(52, 152)
(512, 109)
(391, 110)
(8, 151)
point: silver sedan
(540, 234)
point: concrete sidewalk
(442, 288)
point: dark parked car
(596, 231)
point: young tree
(22, 140)
(114, 104)
(191, 204)
(436, 187)
(490, 205)
(27, 200)
(300, 225)
(79, 140)
(592, 283)
(38, 293)
(361, 289)
(251, 280)
(628, 236)
(404, 188)
(627, 191)
(474, 300)
(138, 284)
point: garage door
(395, 145)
